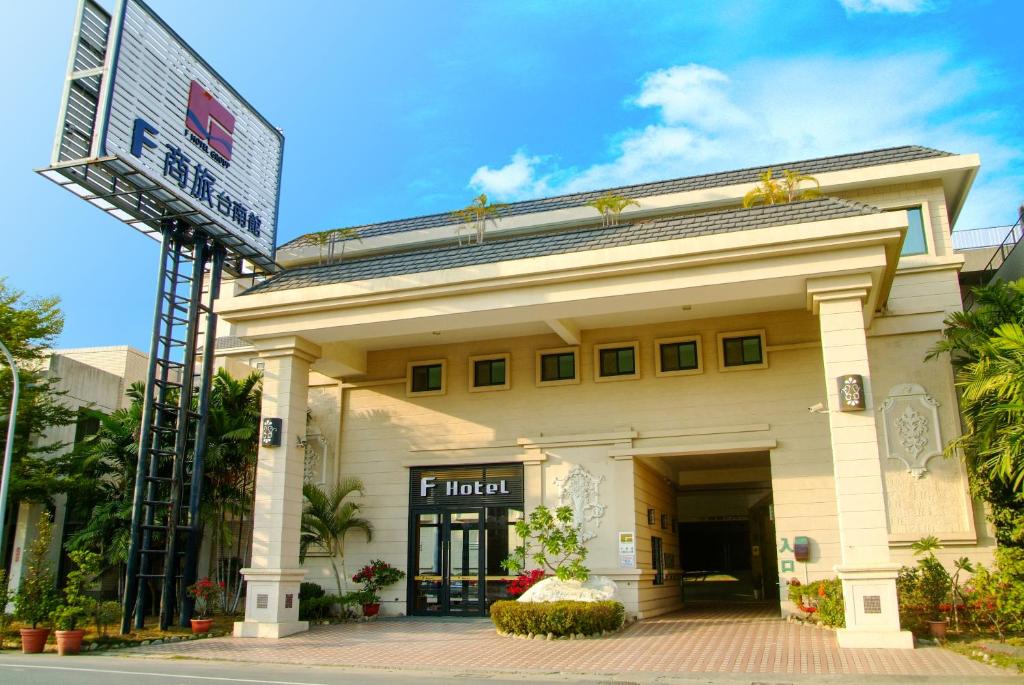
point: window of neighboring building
(426, 378)
(741, 350)
(489, 372)
(559, 366)
(678, 356)
(616, 361)
(915, 243)
(657, 561)
(87, 424)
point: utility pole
(9, 448)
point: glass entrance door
(448, 555)
(463, 568)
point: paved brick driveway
(729, 639)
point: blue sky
(400, 108)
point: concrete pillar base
(872, 612)
(269, 630)
(875, 639)
(271, 603)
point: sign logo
(210, 120)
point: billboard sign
(165, 119)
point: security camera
(818, 408)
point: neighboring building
(990, 254)
(675, 379)
(94, 378)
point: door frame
(445, 543)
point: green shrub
(105, 615)
(558, 618)
(310, 591)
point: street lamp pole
(9, 449)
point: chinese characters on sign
(178, 166)
(786, 565)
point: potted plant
(77, 604)
(206, 594)
(36, 597)
(375, 576)
(69, 636)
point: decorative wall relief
(578, 491)
(910, 421)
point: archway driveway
(701, 639)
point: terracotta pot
(69, 641)
(201, 625)
(33, 640)
(937, 628)
(371, 609)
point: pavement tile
(710, 639)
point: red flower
(524, 582)
(821, 590)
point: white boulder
(594, 589)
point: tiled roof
(500, 250)
(820, 165)
(228, 342)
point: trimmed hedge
(557, 618)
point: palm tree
(610, 206)
(477, 213)
(330, 238)
(772, 191)
(992, 394)
(327, 518)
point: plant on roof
(475, 216)
(610, 206)
(776, 191)
(330, 239)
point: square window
(620, 361)
(489, 372)
(678, 356)
(558, 367)
(426, 377)
(616, 361)
(742, 350)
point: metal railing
(979, 238)
(1003, 251)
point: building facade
(726, 398)
(92, 378)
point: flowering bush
(524, 581)
(207, 595)
(822, 597)
(376, 576)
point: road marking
(162, 675)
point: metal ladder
(172, 441)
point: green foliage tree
(6, 596)
(773, 191)
(77, 603)
(477, 213)
(29, 328)
(37, 597)
(986, 348)
(551, 540)
(611, 206)
(327, 518)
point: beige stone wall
(654, 490)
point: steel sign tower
(152, 135)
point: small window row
(612, 361)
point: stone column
(867, 572)
(272, 594)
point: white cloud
(893, 6)
(515, 179)
(776, 111)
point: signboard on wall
(143, 108)
(627, 549)
(490, 485)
